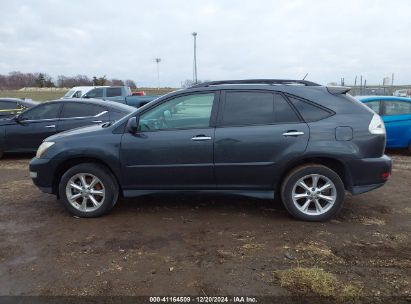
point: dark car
(26, 131)
(296, 139)
(10, 107)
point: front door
(33, 127)
(256, 131)
(174, 146)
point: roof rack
(257, 81)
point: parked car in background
(120, 94)
(396, 114)
(10, 107)
(296, 139)
(402, 93)
(78, 92)
(26, 131)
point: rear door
(256, 131)
(80, 114)
(397, 120)
(115, 94)
(34, 125)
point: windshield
(70, 93)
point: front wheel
(313, 193)
(88, 190)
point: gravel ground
(193, 245)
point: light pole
(195, 58)
(158, 60)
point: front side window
(73, 109)
(44, 111)
(113, 92)
(248, 108)
(375, 106)
(7, 105)
(96, 93)
(184, 112)
(396, 107)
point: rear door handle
(293, 133)
(201, 138)
(50, 126)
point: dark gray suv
(303, 142)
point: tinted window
(283, 111)
(374, 105)
(185, 112)
(44, 111)
(6, 105)
(73, 109)
(396, 107)
(309, 111)
(113, 92)
(248, 108)
(96, 93)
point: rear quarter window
(309, 111)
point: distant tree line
(18, 80)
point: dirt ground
(194, 245)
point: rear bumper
(369, 173)
(42, 173)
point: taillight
(386, 175)
(376, 125)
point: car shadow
(207, 202)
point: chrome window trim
(66, 118)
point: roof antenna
(305, 76)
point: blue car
(396, 113)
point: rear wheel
(313, 193)
(88, 190)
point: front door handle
(293, 133)
(50, 126)
(201, 138)
(97, 121)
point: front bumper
(42, 173)
(368, 173)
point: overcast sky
(236, 39)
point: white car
(78, 92)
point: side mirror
(18, 118)
(132, 125)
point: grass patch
(316, 282)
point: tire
(293, 194)
(409, 148)
(1, 154)
(104, 191)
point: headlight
(43, 148)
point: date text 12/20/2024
(204, 299)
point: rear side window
(308, 111)
(396, 107)
(284, 113)
(248, 108)
(375, 106)
(73, 109)
(113, 92)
